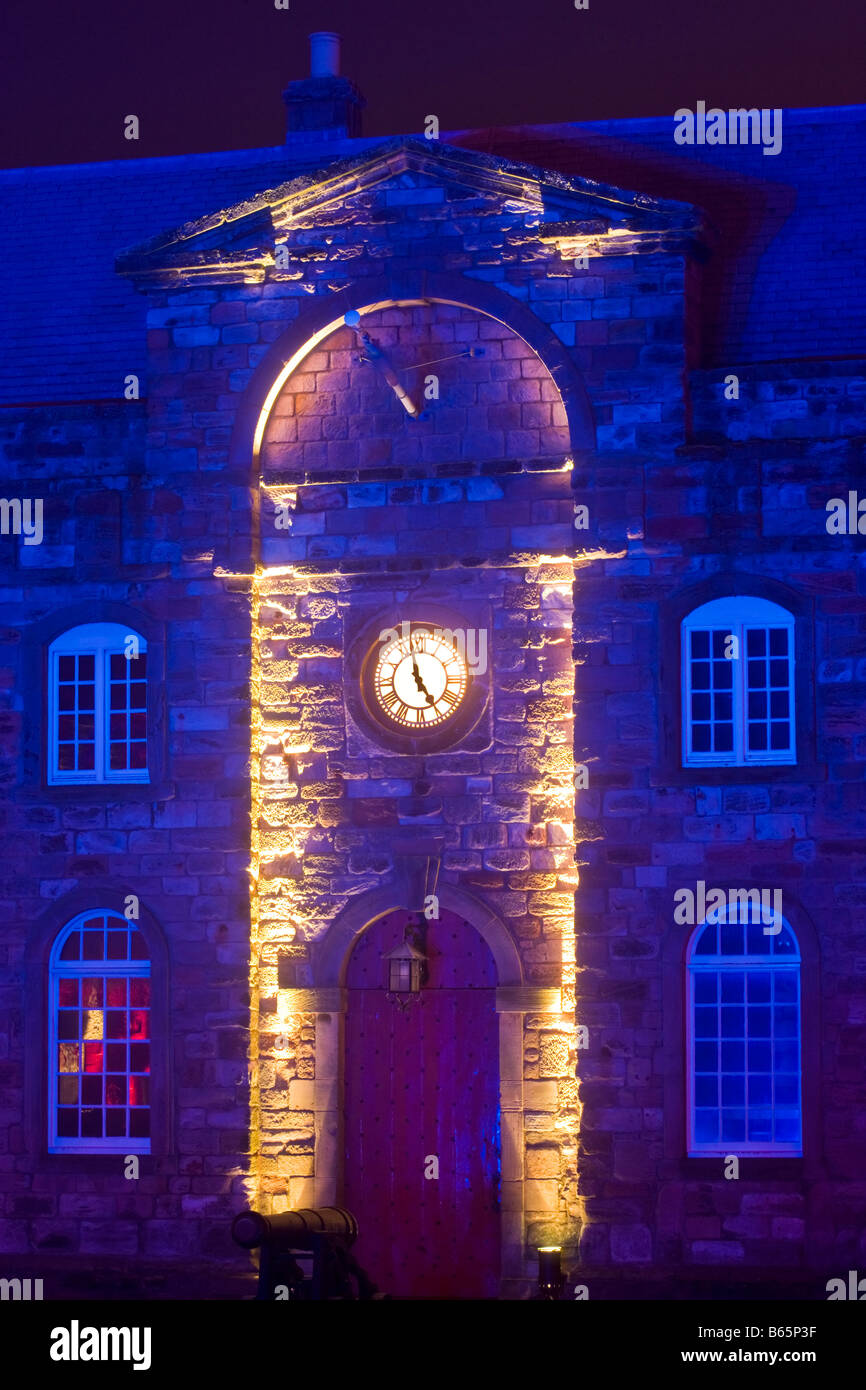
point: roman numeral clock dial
(419, 680)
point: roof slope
(786, 281)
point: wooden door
(423, 1083)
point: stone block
(541, 1195)
(630, 1244)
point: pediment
(381, 186)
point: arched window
(738, 683)
(99, 1037)
(97, 726)
(744, 1034)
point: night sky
(207, 74)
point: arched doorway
(421, 1168)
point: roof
(786, 283)
(239, 242)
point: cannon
(328, 1233)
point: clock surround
(400, 664)
(419, 677)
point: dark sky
(207, 74)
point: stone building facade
(600, 449)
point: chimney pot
(323, 105)
(324, 55)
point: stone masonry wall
(470, 509)
(129, 532)
(741, 507)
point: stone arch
(326, 315)
(331, 954)
(513, 999)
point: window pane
(706, 1126)
(71, 947)
(760, 1125)
(759, 986)
(139, 1124)
(139, 991)
(701, 738)
(733, 1126)
(93, 945)
(116, 991)
(67, 1090)
(733, 1090)
(706, 987)
(706, 1090)
(91, 1124)
(67, 1124)
(67, 993)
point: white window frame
(719, 963)
(59, 970)
(736, 615)
(101, 641)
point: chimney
(323, 104)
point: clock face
(420, 679)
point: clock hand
(420, 684)
(379, 359)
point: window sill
(750, 774)
(95, 792)
(754, 1168)
(98, 1164)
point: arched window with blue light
(99, 1037)
(744, 1036)
(738, 684)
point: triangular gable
(239, 242)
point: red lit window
(100, 1031)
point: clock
(419, 678)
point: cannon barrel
(294, 1230)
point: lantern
(405, 964)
